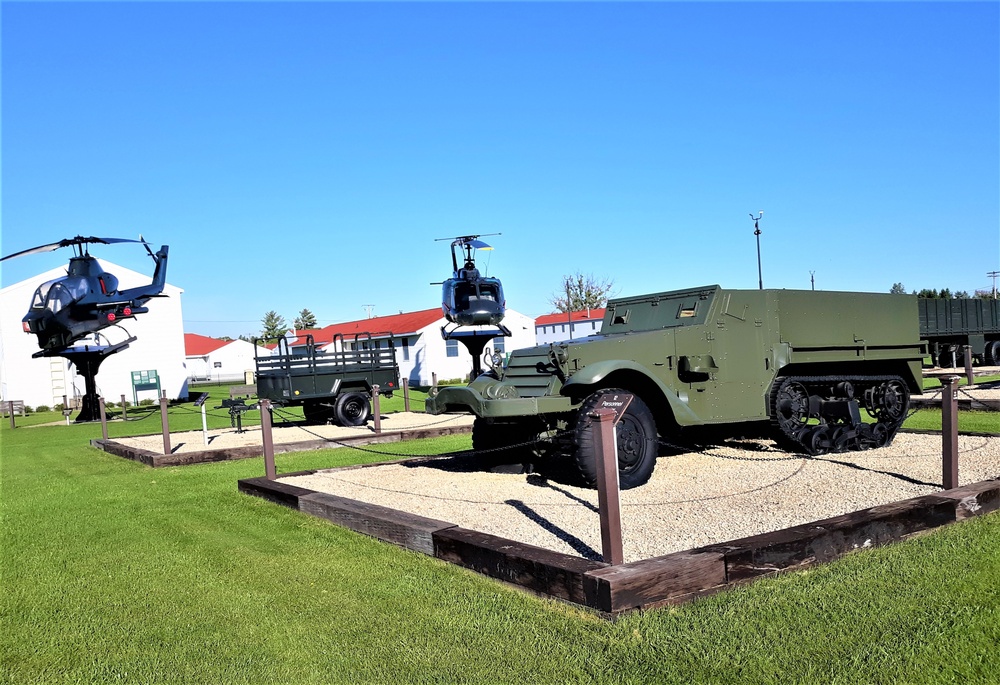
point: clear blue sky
(306, 155)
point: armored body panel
(798, 359)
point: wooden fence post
(270, 472)
(124, 410)
(164, 423)
(968, 366)
(10, 406)
(104, 417)
(949, 432)
(608, 495)
(406, 394)
(376, 410)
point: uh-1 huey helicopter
(87, 299)
(469, 299)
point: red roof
(378, 326)
(199, 345)
(563, 317)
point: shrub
(28, 410)
(58, 407)
(42, 408)
(146, 402)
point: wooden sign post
(949, 432)
(609, 411)
(376, 410)
(270, 472)
(165, 423)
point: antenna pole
(756, 232)
(994, 275)
(812, 279)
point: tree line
(944, 293)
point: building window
(498, 345)
(406, 349)
(451, 348)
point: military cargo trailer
(950, 324)
(335, 385)
(823, 371)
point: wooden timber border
(156, 460)
(669, 579)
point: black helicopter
(469, 298)
(87, 299)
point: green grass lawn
(114, 572)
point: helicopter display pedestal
(475, 342)
(87, 360)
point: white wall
(160, 346)
(234, 359)
(557, 332)
(428, 353)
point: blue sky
(307, 155)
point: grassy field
(114, 572)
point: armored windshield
(38, 301)
(64, 293)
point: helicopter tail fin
(160, 274)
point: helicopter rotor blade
(479, 245)
(66, 242)
(34, 250)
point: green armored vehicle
(829, 371)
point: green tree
(305, 319)
(273, 326)
(580, 292)
(897, 289)
(928, 293)
(962, 294)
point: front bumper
(467, 399)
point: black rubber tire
(638, 445)
(315, 412)
(353, 409)
(992, 353)
(492, 436)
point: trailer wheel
(352, 409)
(637, 442)
(992, 353)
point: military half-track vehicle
(822, 371)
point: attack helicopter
(87, 299)
(469, 299)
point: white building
(420, 349)
(561, 326)
(210, 359)
(45, 380)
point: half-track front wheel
(352, 409)
(638, 446)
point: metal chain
(976, 400)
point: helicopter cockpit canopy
(59, 293)
(474, 301)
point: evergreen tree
(273, 327)
(305, 320)
(897, 289)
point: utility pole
(368, 308)
(994, 275)
(756, 232)
(812, 279)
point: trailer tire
(352, 409)
(638, 445)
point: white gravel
(194, 441)
(692, 499)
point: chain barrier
(975, 400)
(461, 453)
